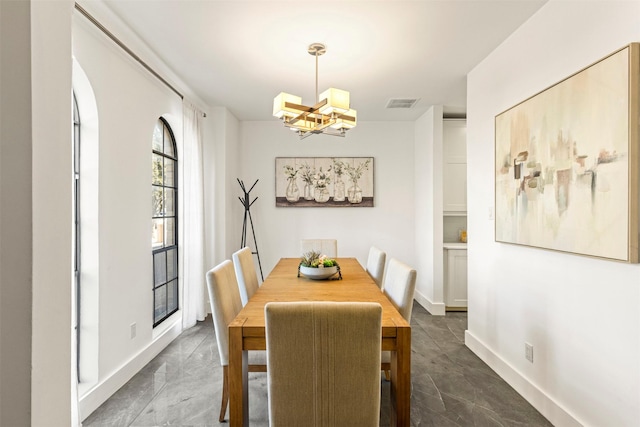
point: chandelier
(331, 114)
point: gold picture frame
(566, 163)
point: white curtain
(193, 273)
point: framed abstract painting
(566, 163)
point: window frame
(160, 284)
(77, 256)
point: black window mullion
(169, 158)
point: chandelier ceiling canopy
(331, 115)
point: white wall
(129, 102)
(428, 196)
(233, 161)
(221, 153)
(580, 314)
(37, 363)
(15, 215)
(389, 225)
(51, 364)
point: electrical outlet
(490, 212)
(528, 352)
(132, 330)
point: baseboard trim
(95, 397)
(435, 308)
(544, 403)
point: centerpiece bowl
(318, 273)
(316, 266)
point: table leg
(401, 379)
(238, 379)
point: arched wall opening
(88, 306)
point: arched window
(76, 225)
(86, 260)
(164, 234)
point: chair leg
(386, 367)
(225, 393)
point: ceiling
(241, 54)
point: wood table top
(283, 284)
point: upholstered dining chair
(328, 247)
(399, 286)
(323, 363)
(375, 265)
(225, 306)
(245, 273)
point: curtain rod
(124, 47)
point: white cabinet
(454, 168)
(455, 272)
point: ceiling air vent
(401, 103)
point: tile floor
(450, 385)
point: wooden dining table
(284, 283)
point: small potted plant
(317, 266)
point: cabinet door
(454, 169)
(456, 291)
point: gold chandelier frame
(331, 115)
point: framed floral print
(324, 181)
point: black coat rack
(247, 213)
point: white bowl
(318, 273)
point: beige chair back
(375, 265)
(323, 363)
(224, 296)
(328, 247)
(245, 273)
(399, 286)
(225, 304)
